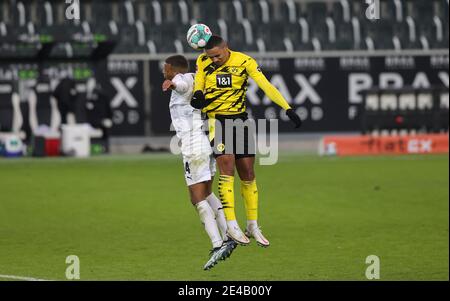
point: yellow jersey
(225, 86)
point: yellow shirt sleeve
(199, 81)
(255, 72)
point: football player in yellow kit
(220, 90)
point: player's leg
(198, 193)
(214, 201)
(226, 193)
(225, 163)
(196, 180)
(221, 250)
(197, 176)
(216, 206)
(249, 192)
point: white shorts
(199, 169)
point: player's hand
(294, 118)
(198, 100)
(168, 84)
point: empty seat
(261, 11)
(158, 34)
(435, 32)
(358, 9)
(316, 11)
(341, 11)
(25, 11)
(205, 12)
(378, 34)
(441, 9)
(289, 11)
(5, 12)
(300, 35)
(391, 10)
(321, 31)
(177, 11)
(108, 22)
(154, 13)
(132, 39)
(232, 11)
(243, 37)
(406, 31)
(342, 39)
(272, 34)
(420, 9)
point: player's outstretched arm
(255, 72)
(180, 85)
(167, 84)
(293, 116)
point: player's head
(175, 64)
(217, 50)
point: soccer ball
(198, 35)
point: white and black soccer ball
(198, 35)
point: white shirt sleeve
(182, 85)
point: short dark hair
(214, 41)
(178, 62)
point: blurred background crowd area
(345, 66)
(150, 26)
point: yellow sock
(249, 192)
(226, 195)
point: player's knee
(227, 171)
(226, 167)
(247, 174)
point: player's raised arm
(180, 85)
(255, 72)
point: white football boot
(236, 234)
(256, 233)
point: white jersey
(183, 93)
(186, 120)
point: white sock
(232, 224)
(251, 224)
(216, 206)
(209, 221)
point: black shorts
(234, 134)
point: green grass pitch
(129, 218)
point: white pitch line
(21, 278)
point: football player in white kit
(199, 164)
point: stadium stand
(142, 26)
(35, 32)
